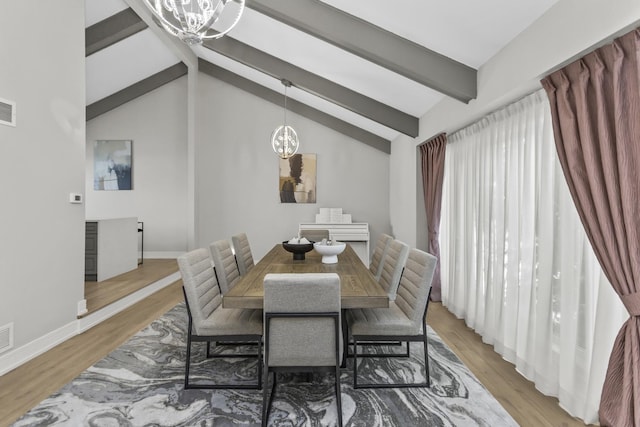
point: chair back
(244, 259)
(314, 235)
(392, 265)
(200, 286)
(302, 341)
(378, 255)
(415, 286)
(225, 264)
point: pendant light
(284, 139)
(194, 21)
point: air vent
(7, 112)
(6, 337)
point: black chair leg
(407, 339)
(265, 398)
(266, 401)
(426, 361)
(188, 362)
(338, 397)
(355, 363)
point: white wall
(566, 31)
(237, 171)
(41, 233)
(157, 124)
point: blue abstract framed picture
(112, 161)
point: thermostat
(75, 198)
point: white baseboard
(23, 354)
(162, 255)
(103, 314)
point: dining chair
(244, 258)
(209, 322)
(378, 255)
(314, 235)
(302, 330)
(393, 262)
(404, 320)
(225, 265)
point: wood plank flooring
(515, 393)
(101, 294)
(27, 385)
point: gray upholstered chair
(241, 247)
(314, 235)
(393, 262)
(378, 255)
(302, 328)
(209, 321)
(404, 320)
(225, 265)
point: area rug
(141, 384)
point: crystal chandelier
(194, 21)
(284, 138)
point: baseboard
(103, 314)
(162, 255)
(25, 353)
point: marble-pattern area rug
(141, 384)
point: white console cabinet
(356, 234)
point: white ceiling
(468, 31)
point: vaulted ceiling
(367, 68)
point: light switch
(75, 198)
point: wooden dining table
(358, 287)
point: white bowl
(329, 252)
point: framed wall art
(297, 181)
(112, 161)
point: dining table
(358, 286)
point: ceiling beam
(374, 44)
(135, 90)
(304, 110)
(180, 49)
(111, 30)
(319, 86)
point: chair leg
(426, 359)
(355, 363)
(427, 383)
(265, 397)
(338, 397)
(267, 400)
(259, 365)
(187, 362)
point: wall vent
(7, 112)
(6, 337)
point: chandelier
(194, 21)
(284, 139)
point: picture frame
(112, 165)
(297, 183)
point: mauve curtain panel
(595, 106)
(432, 153)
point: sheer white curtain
(516, 263)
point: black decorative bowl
(298, 249)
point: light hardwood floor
(26, 386)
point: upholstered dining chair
(244, 258)
(209, 322)
(302, 329)
(225, 265)
(393, 262)
(314, 235)
(378, 255)
(404, 320)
